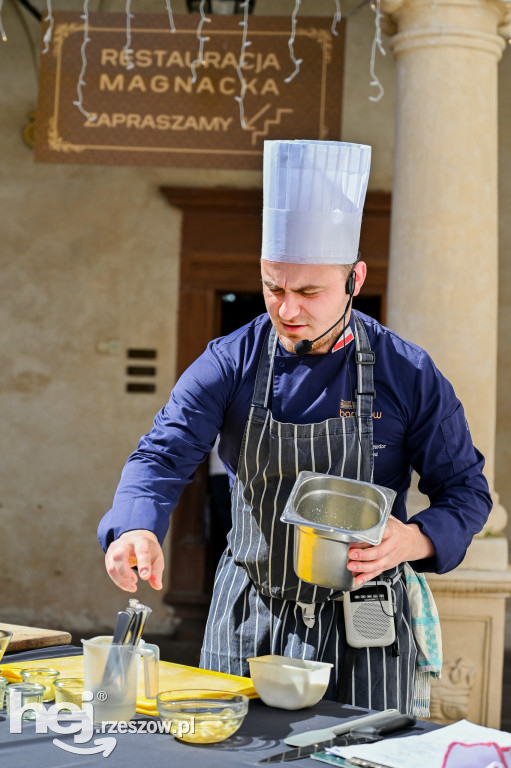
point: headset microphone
(304, 346)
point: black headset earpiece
(304, 346)
(351, 282)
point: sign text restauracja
(162, 92)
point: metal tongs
(130, 623)
(128, 631)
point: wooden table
(27, 638)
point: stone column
(443, 277)
(443, 290)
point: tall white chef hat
(313, 196)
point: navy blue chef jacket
(418, 424)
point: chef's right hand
(138, 548)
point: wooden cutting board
(26, 638)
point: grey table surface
(261, 735)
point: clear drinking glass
(18, 695)
(44, 676)
(3, 683)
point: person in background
(310, 385)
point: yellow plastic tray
(172, 676)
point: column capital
(479, 24)
(504, 27)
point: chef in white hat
(310, 385)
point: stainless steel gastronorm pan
(329, 513)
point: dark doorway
(369, 305)
(237, 309)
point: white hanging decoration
(128, 50)
(200, 56)
(375, 6)
(2, 30)
(291, 42)
(337, 17)
(244, 45)
(81, 81)
(49, 32)
(171, 17)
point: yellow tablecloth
(171, 677)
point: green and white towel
(428, 638)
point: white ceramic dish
(289, 683)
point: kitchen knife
(361, 735)
(322, 734)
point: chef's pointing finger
(155, 580)
(150, 562)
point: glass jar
(18, 695)
(45, 676)
(69, 689)
(3, 683)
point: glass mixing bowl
(202, 716)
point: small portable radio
(369, 614)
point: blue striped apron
(259, 605)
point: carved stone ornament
(450, 695)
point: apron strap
(264, 376)
(364, 357)
(364, 396)
(342, 691)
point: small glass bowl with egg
(202, 716)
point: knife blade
(362, 735)
(305, 738)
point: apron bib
(259, 605)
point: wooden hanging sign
(158, 105)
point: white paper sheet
(426, 750)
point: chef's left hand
(400, 542)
